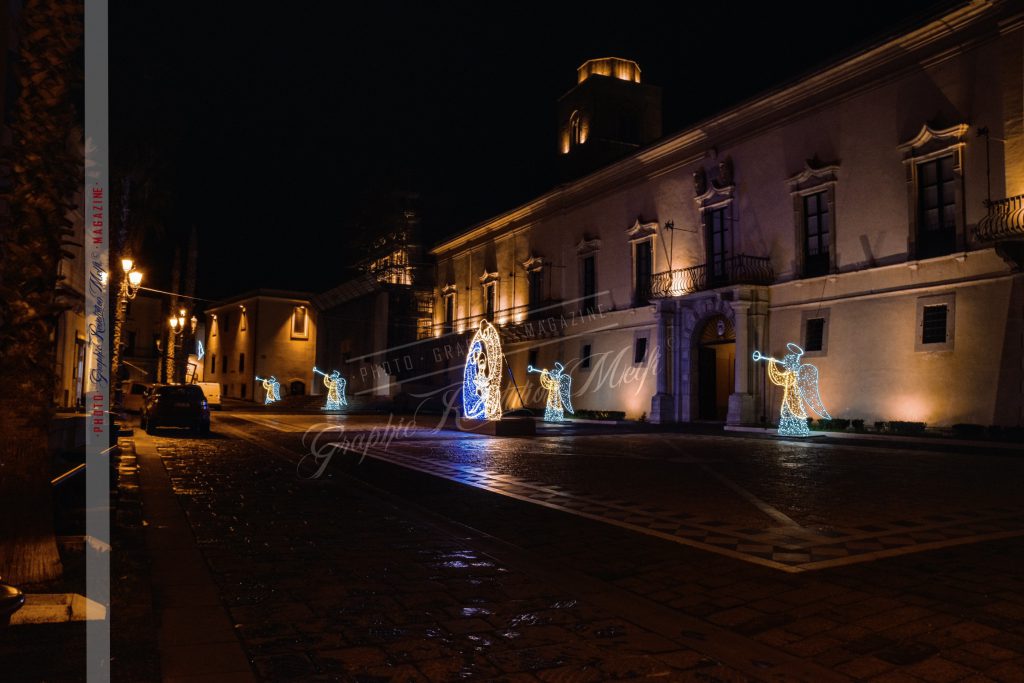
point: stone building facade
(869, 213)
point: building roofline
(284, 295)
(769, 109)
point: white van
(212, 392)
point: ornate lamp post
(178, 329)
(130, 284)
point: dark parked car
(176, 405)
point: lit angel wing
(807, 384)
(342, 383)
(565, 392)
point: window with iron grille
(241, 363)
(814, 334)
(585, 357)
(933, 327)
(640, 350)
(489, 301)
(816, 234)
(449, 312)
(536, 280)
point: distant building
(870, 213)
(142, 337)
(260, 333)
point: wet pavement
(444, 558)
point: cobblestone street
(393, 568)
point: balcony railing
(736, 270)
(1005, 219)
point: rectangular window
(300, 323)
(213, 364)
(814, 334)
(536, 280)
(933, 324)
(936, 220)
(816, 237)
(213, 326)
(242, 326)
(449, 312)
(718, 246)
(224, 366)
(533, 357)
(241, 393)
(639, 350)
(585, 357)
(643, 266)
(489, 300)
(241, 362)
(589, 285)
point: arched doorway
(297, 388)
(716, 368)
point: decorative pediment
(488, 277)
(930, 139)
(585, 246)
(815, 174)
(640, 230)
(534, 263)
(718, 189)
(448, 288)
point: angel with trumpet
(799, 382)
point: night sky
(280, 135)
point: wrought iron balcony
(736, 270)
(1005, 219)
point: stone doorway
(716, 368)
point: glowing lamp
(127, 264)
(174, 323)
(135, 278)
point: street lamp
(178, 329)
(128, 289)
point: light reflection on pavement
(790, 505)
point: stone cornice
(869, 68)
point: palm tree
(44, 164)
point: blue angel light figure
(335, 384)
(272, 388)
(481, 380)
(799, 384)
(559, 386)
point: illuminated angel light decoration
(200, 350)
(799, 384)
(559, 386)
(481, 383)
(272, 388)
(335, 384)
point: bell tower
(606, 116)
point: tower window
(577, 131)
(933, 328)
(936, 220)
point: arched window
(576, 133)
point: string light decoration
(559, 386)
(799, 384)
(481, 383)
(272, 388)
(335, 384)
(200, 350)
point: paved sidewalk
(196, 640)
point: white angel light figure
(481, 382)
(799, 384)
(272, 388)
(559, 386)
(335, 384)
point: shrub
(858, 425)
(599, 415)
(965, 430)
(906, 428)
(833, 425)
(881, 427)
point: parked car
(212, 392)
(176, 405)
(133, 396)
